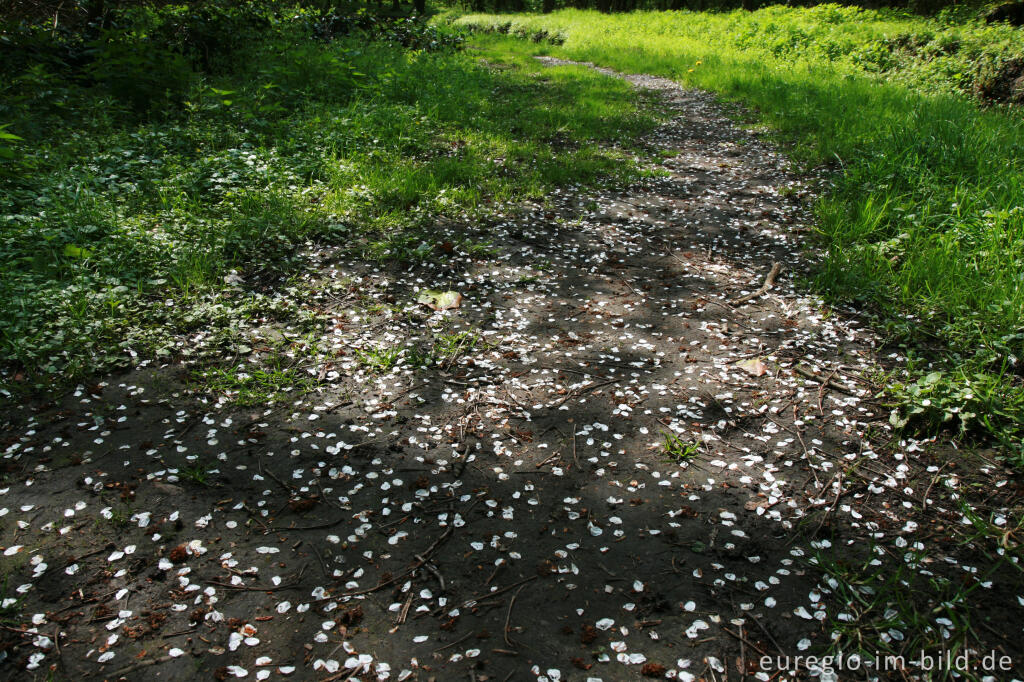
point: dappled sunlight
(583, 436)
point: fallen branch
(806, 373)
(769, 282)
(144, 664)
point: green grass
(119, 227)
(198, 473)
(380, 359)
(924, 222)
(443, 351)
(255, 386)
(891, 610)
(679, 450)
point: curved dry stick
(508, 616)
(769, 282)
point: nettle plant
(965, 402)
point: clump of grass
(118, 516)
(252, 386)
(198, 473)
(892, 612)
(380, 359)
(444, 351)
(678, 449)
(449, 347)
(923, 222)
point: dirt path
(514, 512)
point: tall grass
(925, 222)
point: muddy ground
(629, 459)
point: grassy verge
(131, 233)
(925, 220)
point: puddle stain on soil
(622, 459)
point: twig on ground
(404, 613)
(586, 389)
(433, 569)
(769, 282)
(831, 384)
(821, 390)
(547, 459)
(485, 595)
(420, 561)
(143, 664)
(743, 640)
(924, 500)
(508, 616)
(494, 573)
(451, 644)
(629, 286)
(575, 461)
(743, 656)
(323, 564)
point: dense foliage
(608, 6)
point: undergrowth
(924, 221)
(148, 202)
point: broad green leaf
(72, 251)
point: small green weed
(380, 359)
(679, 450)
(118, 517)
(251, 386)
(451, 346)
(197, 473)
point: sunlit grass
(924, 222)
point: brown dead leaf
(653, 670)
(754, 367)
(302, 504)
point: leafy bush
(150, 58)
(139, 71)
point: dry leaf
(754, 367)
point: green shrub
(141, 72)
